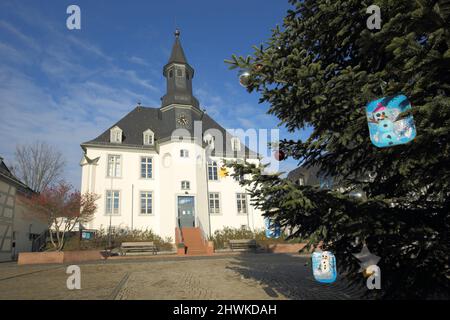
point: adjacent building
(19, 226)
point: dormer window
(116, 135)
(149, 137)
(209, 140)
(235, 144)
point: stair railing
(39, 243)
(178, 228)
(202, 231)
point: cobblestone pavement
(247, 276)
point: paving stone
(247, 276)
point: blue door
(186, 211)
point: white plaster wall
(130, 184)
(169, 169)
(227, 188)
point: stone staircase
(194, 242)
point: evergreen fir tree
(320, 69)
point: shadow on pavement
(291, 276)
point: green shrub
(101, 239)
(221, 237)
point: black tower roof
(179, 76)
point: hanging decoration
(223, 172)
(279, 155)
(258, 67)
(324, 266)
(244, 79)
(273, 228)
(385, 128)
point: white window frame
(146, 193)
(116, 165)
(184, 153)
(185, 185)
(110, 198)
(235, 144)
(215, 210)
(214, 168)
(241, 198)
(115, 135)
(146, 167)
(148, 138)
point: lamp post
(111, 207)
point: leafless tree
(38, 165)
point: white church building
(162, 168)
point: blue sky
(68, 86)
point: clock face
(182, 120)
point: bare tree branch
(38, 165)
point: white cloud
(19, 35)
(139, 61)
(10, 54)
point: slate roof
(162, 123)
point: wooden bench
(138, 247)
(243, 244)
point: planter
(210, 248)
(79, 256)
(40, 257)
(285, 248)
(58, 257)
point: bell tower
(178, 74)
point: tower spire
(177, 55)
(179, 76)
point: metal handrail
(39, 243)
(178, 228)
(203, 234)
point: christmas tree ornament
(244, 79)
(385, 128)
(273, 228)
(223, 172)
(258, 67)
(366, 273)
(279, 155)
(324, 266)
